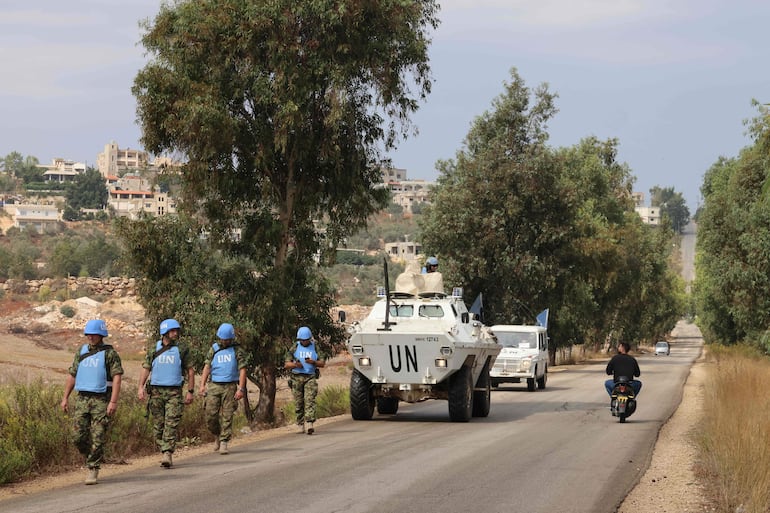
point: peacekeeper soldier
(96, 374)
(226, 364)
(304, 362)
(165, 365)
(431, 265)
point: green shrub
(332, 400)
(67, 311)
(15, 463)
(44, 293)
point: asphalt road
(689, 235)
(553, 450)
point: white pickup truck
(524, 355)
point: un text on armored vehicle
(523, 356)
(418, 343)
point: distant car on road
(662, 348)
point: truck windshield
(520, 340)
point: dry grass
(735, 433)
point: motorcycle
(623, 403)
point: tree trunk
(266, 382)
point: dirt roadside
(670, 485)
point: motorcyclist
(623, 364)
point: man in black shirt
(623, 364)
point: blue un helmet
(95, 327)
(168, 325)
(304, 333)
(431, 261)
(226, 331)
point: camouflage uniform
(220, 400)
(90, 416)
(166, 404)
(304, 388)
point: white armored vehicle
(419, 343)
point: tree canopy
(88, 190)
(532, 227)
(672, 206)
(282, 111)
(24, 168)
(732, 285)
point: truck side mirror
(342, 316)
(464, 318)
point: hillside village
(138, 183)
(135, 184)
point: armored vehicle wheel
(361, 397)
(541, 381)
(387, 405)
(482, 398)
(531, 384)
(461, 395)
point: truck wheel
(482, 398)
(361, 397)
(387, 405)
(541, 381)
(531, 384)
(461, 395)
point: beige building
(393, 174)
(403, 251)
(39, 217)
(649, 215)
(406, 192)
(131, 195)
(114, 160)
(410, 192)
(61, 170)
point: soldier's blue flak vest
(167, 367)
(305, 352)
(92, 372)
(224, 366)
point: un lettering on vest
(167, 358)
(90, 362)
(224, 358)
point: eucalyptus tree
(282, 111)
(531, 227)
(497, 217)
(733, 267)
(672, 205)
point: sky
(671, 80)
